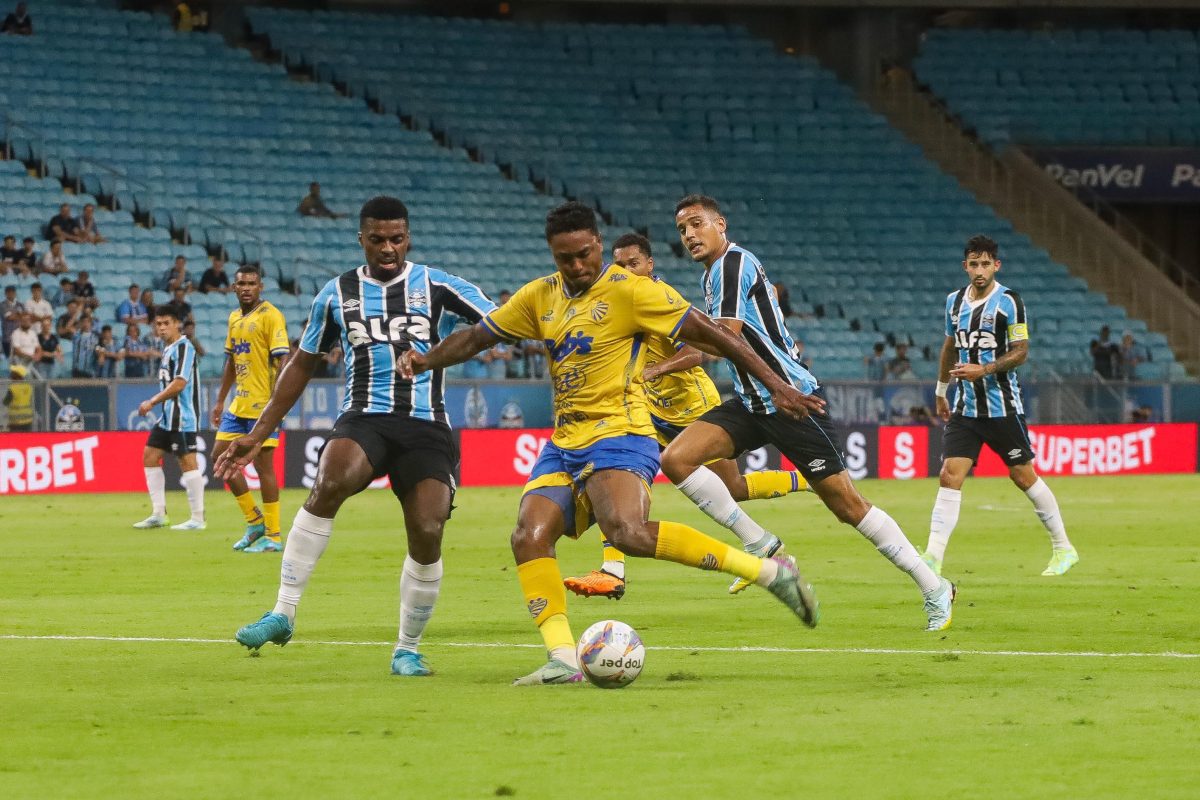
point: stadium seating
(864, 230)
(1077, 87)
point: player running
(739, 296)
(256, 348)
(389, 425)
(987, 332)
(679, 391)
(175, 430)
(595, 321)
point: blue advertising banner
(1126, 174)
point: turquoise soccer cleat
(271, 627)
(265, 544)
(1061, 561)
(939, 606)
(794, 592)
(552, 672)
(254, 532)
(409, 664)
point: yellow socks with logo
(250, 511)
(685, 545)
(546, 599)
(270, 512)
(774, 483)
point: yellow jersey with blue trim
(596, 347)
(254, 339)
(682, 397)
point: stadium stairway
(864, 229)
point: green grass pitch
(866, 705)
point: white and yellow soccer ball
(611, 654)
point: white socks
(1046, 507)
(305, 544)
(419, 585)
(156, 484)
(709, 493)
(941, 524)
(883, 532)
(193, 484)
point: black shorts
(1006, 436)
(177, 443)
(808, 443)
(406, 449)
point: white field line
(869, 651)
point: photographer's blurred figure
(19, 400)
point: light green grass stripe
(882, 651)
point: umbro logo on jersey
(350, 305)
(817, 464)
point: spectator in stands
(179, 300)
(148, 303)
(535, 358)
(28, 261)
(136, 351)
(215, 278)
(64, 294)
(11, 310)
(784, 298)
(920, 415)
(1106, 355)
(313, 206)
(24, 342)
(1132, 354)
(176, 277)
(68, 321)
(18, 23)
(54, 262)
(181, 18)
(900, 368)
(38, 306)
(85, 291)
(498, 360)
(876, 363)
(131, 308)
(10, 255)
(108, 354)
(88, 228)
(1142, 414)
(49, 353)
(63, 227)
(84, 358)
(19, 399)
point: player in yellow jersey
(679, 391)
(594, 321)
(256, 348)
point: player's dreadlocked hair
(383, 207)
(981, 244)
(570, 217)
(633, 240)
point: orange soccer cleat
(597, 583)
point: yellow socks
(270, 512)
(250, 511)
(774, 483)
(614, 559)
(685, 545)
(546, 599)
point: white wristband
(942, 389)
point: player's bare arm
(699, 329)
(945, 364)
(288, 388)
(456, 348)
(687, 358)
(1015, 357)
(227, 378)
(173, 390)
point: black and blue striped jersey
(375, 322)
(179, 361)
(736, 287)
(982, 331)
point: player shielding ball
(739, 296)
(679, 392)
(987, 338)
(175, 430)
(603, 452)
(390, 425)
(256, 347)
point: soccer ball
(611, 654)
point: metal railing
(10, 123)
(192, 212)
(120, 177)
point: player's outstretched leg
(1063, 555)
(608, 581)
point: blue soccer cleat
(265, 544)
(409, 664)
(254, 532)
(939, 606)
(272, 627)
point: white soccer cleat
(152, 521)
(190, 525)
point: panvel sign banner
(1126, 174)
